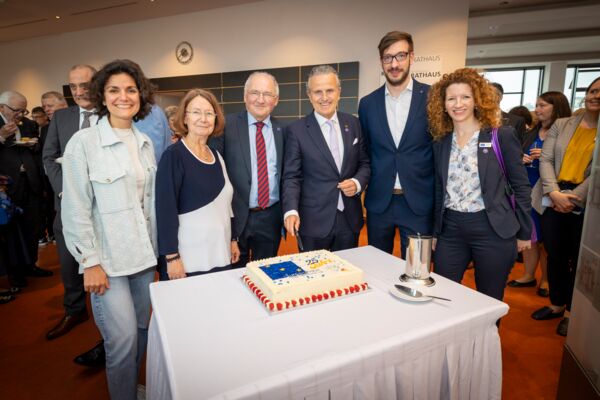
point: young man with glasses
(393, 119)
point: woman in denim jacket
(108, 217)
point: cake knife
(416, 293)
(300, 246)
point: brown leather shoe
(66, 324)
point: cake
(297, 279)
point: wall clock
(184, 52)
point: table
(210, 338)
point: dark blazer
(310, 176)
(234, 146)
(516, 122)
(12, 157)
(64, 124)
(505, 222)
(412, 160)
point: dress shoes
(6, 298)
(563, 327)
(543, 292)
(17, 281)
(546, 313)
(96, 357)
(66, 324)
(38, 272)
(517, 284)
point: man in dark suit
(510, 119)
(326, 166)
(394, 121)
(18, 141)
(64, 123)
(252, 146)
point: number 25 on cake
(298, 279)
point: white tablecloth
(210, 338)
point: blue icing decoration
(282, 270)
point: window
(578, 78)
(521, 85)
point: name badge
(485, 144)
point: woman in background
(548, 108)
(171, 113)
(193, 194)
(474, 220)
(108, 218)
(565, 167)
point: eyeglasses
(205, 114)
(255, 94)
(17, 110)
(388, 58)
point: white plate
(402, 296)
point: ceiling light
(57, 16)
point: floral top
(463, 189)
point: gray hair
(171, 111)
(323, 70)
(263, 73)
(77, 66)
(58, 96)
(8, 95)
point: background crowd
(127, 189)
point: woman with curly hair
(474, 218)
(109, 220)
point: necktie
(334, 146)
(86, 119)
(261, 164)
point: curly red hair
(485, 96)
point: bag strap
(500, 158)
(498, 152)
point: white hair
(261, 73)
(8, 95)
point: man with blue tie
(252, 147)
(394, 121)
(326, 166)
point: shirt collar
(321, 120)
(108, 137)
(82, 110)
(252, 120)
(409, 89)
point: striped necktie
(262, 170)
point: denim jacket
(103, 220)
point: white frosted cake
(298, 279)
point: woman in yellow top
(564, 171)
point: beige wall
(273, 33)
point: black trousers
(562, 235)
(74, 296)
(381, 227)
(31, 221)
(341, 237)
(261, 235)
(469, 237)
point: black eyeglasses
(17, 110)
(388, 58)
